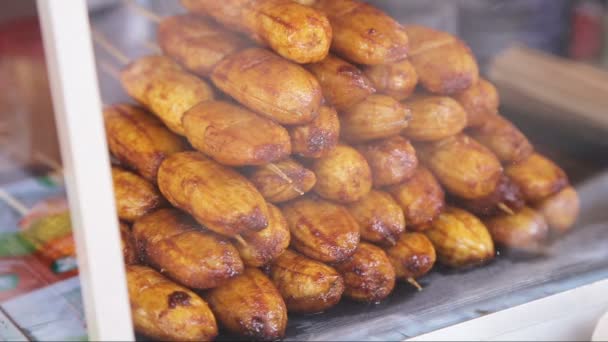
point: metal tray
(448, 297)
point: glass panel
(544, 57)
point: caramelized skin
(444, 64)
(196, 43)
(259, 248)
(392, 160)
(397, 80)
(460, 239)
(368, 274)
(463, 166)
(269, 85)
(376, 117)
(525, 230)
(127, 245)
(380, 218)
(561, 209)
(479, 101)
(434, 118)
(232, 135)
(172, 242)
(162, 86)
(251, 306)
(537, 177)
(412, 256)
(363, 34)
(282, 181)
(421, 198)
(296, 32)
(317, 138)
(307, 286)
(507, 142)
(343, 84)
(343, 175)
(507, 193)
(139, 140)
(134, 195)
(166, 311)
(218, 197)
(321, 229)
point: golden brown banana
(378, 116)
(235, 136)
(444, 64)
(343, 175)
(127, 245)
(396, 79)
(165, 88)
(392, 160)
(537, 177)
(216, 196)
(368, 275)
(139, 140)
(166, 311)
(421, 198)
(506, 198)
(479, 101)
(321, 229)
(307, 286)
(460, 239)
(196, 43)
(269, 85)
(250, 305)
(282, 181)
(524, 230)
(412, 256)
(380, 218)
(172, 242)
(317, 138)
(434, 118)
(561, 209)
(259, 248)
(134, 196)
(507, 142)
(343, 84)
(464, 167)
(362, 33)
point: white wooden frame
(566, 316)
(77, 106)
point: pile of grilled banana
(307, 156)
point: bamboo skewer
(152, 16)
(414, 283)
(14, 203)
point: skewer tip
(414, 283)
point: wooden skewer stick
(111, 49)
(110, 69)
(240, 240)
(285, 177)
(143, 11)
(152, 46)
(13, 202)
(505, 208)
(414, 283)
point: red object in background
(21, 37)
(586, 38)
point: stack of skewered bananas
(263, 174)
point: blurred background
(574, 29)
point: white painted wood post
(74, 86)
